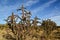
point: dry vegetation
(33, 33)
(27, 29)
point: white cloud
(54, 12)
(31, 2)
(56, 19)
(42, 7)
(6, 8)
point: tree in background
(48, 26)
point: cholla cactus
(35, 21)
(11, 21)
(23, 18)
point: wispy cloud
(15, 6)
(54, 12)
(55, 16)
(31, 2)
(6, 10)
(42, 7)
(56, 19)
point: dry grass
(2, 32)
(32, 34)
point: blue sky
(44, 9)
